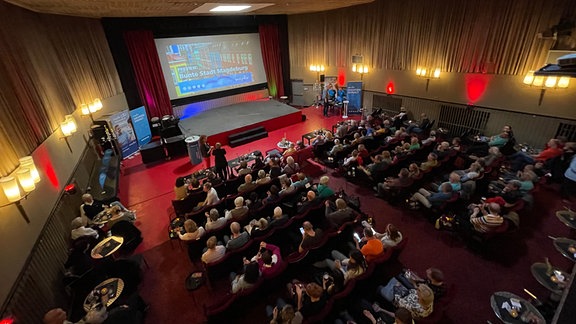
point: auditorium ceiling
(168, 8)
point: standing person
(205, 150)
(220, 161)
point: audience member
(372, 248)
(263, 178)
(278, 218)
(310, 237)
(211, 195)
(341, 215)
(213, 220)
(180, 189)
(323, 190)
(79, 230)
(248, 184)
(214, 251)
(391, 236)
(192, 231)
(428, 199)
(269, 260)
(419, 301)
(237, 239)
(247, 279)
(239, 213)
(431, 162)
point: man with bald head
(238, 239)
(248, 185)
(486, 218)
(308, 202)
(310, 237)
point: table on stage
(512, 309)
(283, 144)
(112, 287)
(566, 247)
(567, 217)
(107, 247)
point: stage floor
(219, 122)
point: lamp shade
(25, 179)
(98, 104)
(10, 188)
(71, 123)
(436, 74)
(538, 81)
(563, 82)
(529, 78)
(92, 108)
(85, 109)
(550, 82)
(28, 163)
(419, 71)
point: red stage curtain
(270, 44)
(148, 72)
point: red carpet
(149, 191)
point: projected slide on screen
(206, 64)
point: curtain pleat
(148, 72)
(272, 59)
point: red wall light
(390, 88)
(341, 77)
(476, 86)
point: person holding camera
(351, 267)
(269, 260)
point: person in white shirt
(214, 252)
(78, 229)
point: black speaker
(99, 133)
(322, 77)
(303, 117)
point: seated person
(363, 152)
(391, 236)
(520, 159)
(419, 127)
(376, 314)
(300, 145)
(243, 169)
(431, 162)
(275, 170)
(180, 189)
(353, 159)
(508, 196)
(192, 231)
(378, 165)
(263, 178)
(456, 141)
(431, 138)
(214, 251)
(118, 214)
(351, 267)
(257, 227)
(278, 218)
(283, 314)
(247, 279)
(248, 184)
(336, 148)
(92, 207)
(269, 260)
(237, 239)
(419, 301)
(485, 218)
(493, 155)
(473, 172)
(402, 180)
(259, 161)
(341, 215)
(287, 187)
(499, 140)
(414, 144)
(454, 181)
(211, 195)
(78, 230)
(310, 298)
(372, 248)
(302, 180)
(290, 150)
(414, 171)
(323, 191)
(428, 199)
(310, 238)
(442, 150)
(272, 195)
(213, 178)
(434, 280)
(194, 184)
(309, 201)
(291, 167)
(213, 220)
(239, 213)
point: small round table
(112, 287)
(107, 247)
(284, 144)
(502, 301)
(549, 281)
(567, 217)
(563, 245)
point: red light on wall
(390, 88)
(8, 320)
(475, 87)
(341, 77)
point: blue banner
(124, 133)
(141, 125)
(354, 96)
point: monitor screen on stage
(205, 64)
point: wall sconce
(17, 188)
(68, 127)
(545, 82)
(360, 68)
(428, 74)
(317, 69)
(89, 109)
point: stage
(219, 123)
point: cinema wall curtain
(473, 36)
(270, 45)
(148, 72)
(49, 65)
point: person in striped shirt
(486, 218)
